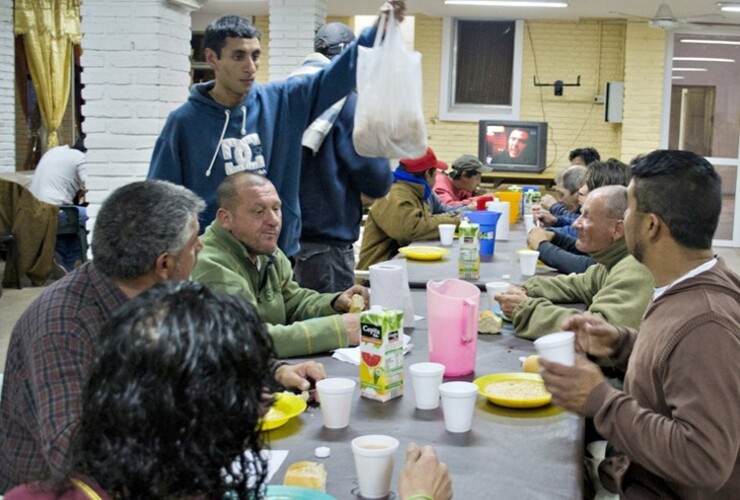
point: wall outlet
(599, 99)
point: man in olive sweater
(240, 257)
(617, 288)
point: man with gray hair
(145, 232)
(564, 212)
(618, 288)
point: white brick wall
(136, 70)
(7, 86)
(292, 27)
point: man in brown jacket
(403, 215)
(674, 430)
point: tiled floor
(13, 302)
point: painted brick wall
(643, 89)
(7, 88)
(292, 27)
(263, 24)
(563, 50)
(136, 70)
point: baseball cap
(469, 162)
(332, 38)
(429, 160)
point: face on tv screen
(506, 145)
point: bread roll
(307, 475)
(357, 303)
(488, 322)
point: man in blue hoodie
(333, 179)
(234, 124)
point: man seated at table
(240, 256)
(403, 215)
(557, 246)
(674, 429)
(154, 427)
(564, 212)
(617, 288)
(458, 187)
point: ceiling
(577, 9)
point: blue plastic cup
(487, 221)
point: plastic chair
(72, 227)
(11, 256)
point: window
(200, 71)
(481, 70)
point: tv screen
(513, 146)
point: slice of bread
(307, 475)
(488, 322)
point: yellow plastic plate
(525, 380)
(424, 253)
(287, 405)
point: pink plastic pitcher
(452, 316)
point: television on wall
(513, 146)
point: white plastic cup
(374, 463)
(558, 347)
(528, 222)
(336, 395)
(528, 261)
(426, 379)
(446, 234)
(458, 405)
(493, 288)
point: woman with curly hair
(172, 401)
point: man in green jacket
(240, 257)
(617, 288)
(403, 215)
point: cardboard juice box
(381, 345)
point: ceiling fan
(665, 20)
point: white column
(292, 27)
(135, 71)
(7, 87)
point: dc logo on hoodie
(243, 154)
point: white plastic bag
(389, 119)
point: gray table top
(524, 454)
(502, 266)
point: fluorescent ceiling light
(689, 69)
(506, 3)
(678, 77)
(704, 59)
(729, 7)
(711, 42)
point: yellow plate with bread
(514, 390)
(423, 253)
(286, 406)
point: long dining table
(508, 453)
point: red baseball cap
(429, 160)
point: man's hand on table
(343, 302)
(301, 376)
(593, 335)
(511, 298)
(536, 236)
(424, 474)
(570, 386)
(545, 219)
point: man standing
(674, 428)
(233, 124)
(333, 179)
(403, 215)
(240, 257)
(617, 288)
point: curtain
(49, 28)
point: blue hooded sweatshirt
(202, 141)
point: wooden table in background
(546, 178)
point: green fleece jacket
(300, 321)
(616, 288)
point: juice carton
(468, 264)
(381, 345)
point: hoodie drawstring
(244, 121)
(218, 146)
